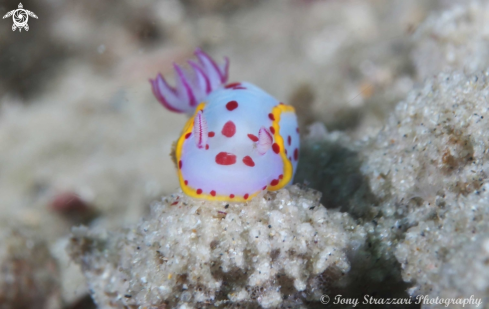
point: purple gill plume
(193, 84)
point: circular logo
(20, 18)
(324, 299)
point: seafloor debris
(455, 39)
(29, 276)
(429, 168)
(274, 250)
(419, 187)
(72, 207)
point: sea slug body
(239, 139)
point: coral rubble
(429, 167)
(272, 251)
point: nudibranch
(238, 141)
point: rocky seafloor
(391, 199)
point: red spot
(206, 146)
(213, 193)
(232, 85)
(231, 196)
(281, 176)
(281, 103)
(290, 159)
(225, 158)
(296, 154)
(272, 129)
(264, 187)
(271, 117)
(246, 196)
(211, 134)
(229, 129)
(248, 161)
(188, 135)
(285, 150)
(180, 164)
(289, 140)
(276, 148)
(199, 191)
(297, 130)
(174, 203)
(232, 105)
(274, 182)
(186, 182)
(253, 137)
